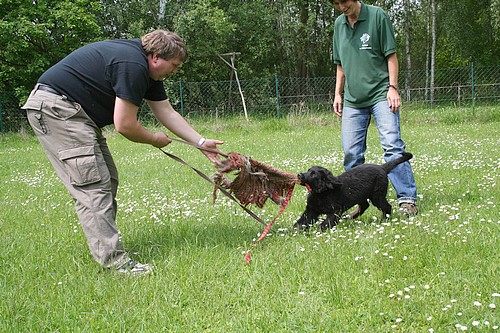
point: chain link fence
(460, 86)
(276, 96)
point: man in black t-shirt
(100, 84)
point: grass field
(437, 272)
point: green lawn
(437, 272)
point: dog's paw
(301, 226)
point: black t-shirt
(95, 74)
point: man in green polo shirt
(364, 50)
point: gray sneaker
(408, 209)
(135, 268)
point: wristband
(392, 86)
(202, 141)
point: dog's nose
(300, 177)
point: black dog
(332, 195)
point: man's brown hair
(166, 44)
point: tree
(287, 37)
(37, 34)
(467, 32)
(132, 18)
(206, 30)
(433, 48)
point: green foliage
(290, 38)
(254, 35)
(128, 18)
(37, 34)
(206, 30)
(468, 32)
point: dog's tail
(392, 164)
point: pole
(473, 92)
(182, 99)
(277, 95)
(233, 67)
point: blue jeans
(355, 124)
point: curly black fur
(332, 195)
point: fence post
(180, 96)
(473, 91)
(276, 81)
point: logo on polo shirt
(364, 42)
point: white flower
(476, 303)
(475, 323)
(492, 306)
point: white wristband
(202, 141)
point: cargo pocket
(81, 165)
(35, 117)
(33, 104)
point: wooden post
(233, 67)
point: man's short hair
(166, 44)
(333, 2)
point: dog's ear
(326, 181)
(332, 182)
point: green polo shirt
(362, 52)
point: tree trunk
(407, 49)
(427, 55)
(161, 12)
(303, 8)
(433, 49)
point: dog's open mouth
(300, 178)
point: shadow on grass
(160, 240)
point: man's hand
(337, 105)
(160, 140)
(212, 145)
(393, 99)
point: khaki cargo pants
(80, 156)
